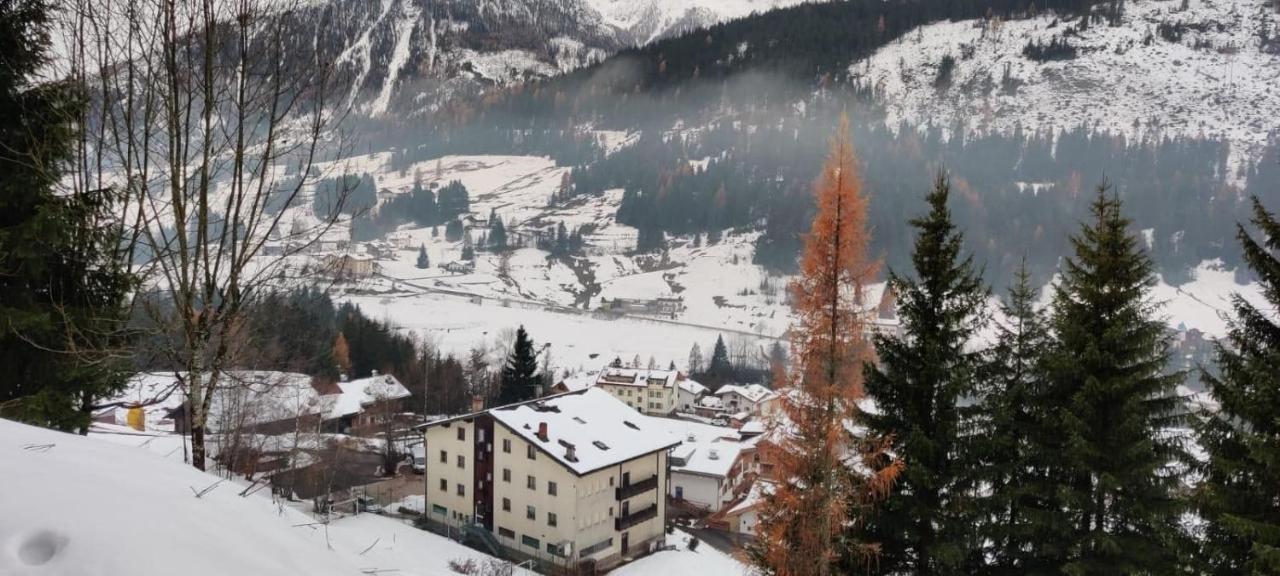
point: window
(506, 445)
(530, 541)
(506, 504)
(444, 485)
(462, 489)
(438, 509)
(531, 483)
(530, 512)
(506, 533)
(598, 546)
(551, 488)
(529, 452)
(506, 474)
(554, 550)
(462, 461)
(462, 433)
(551, 518)
(444, 457)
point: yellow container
(137, 419)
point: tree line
(1064, 447)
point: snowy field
(1120, 82)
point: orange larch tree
(824, 475)
(342, 354)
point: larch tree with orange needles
(824, 476)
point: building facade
(571, 479)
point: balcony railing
(635, 488)
(624, 522)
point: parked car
(720, 421)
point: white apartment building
(656, 392)
(577, 478)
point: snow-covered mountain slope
(649, 20)
(1209, 69)
(410, 56)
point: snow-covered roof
(691, 386)
(601, 429)
(710, 402)
(705, 449)
(638, 377)
(755, 497)
(249, 396)
(752, 392)
(579, 380)
(357, 393)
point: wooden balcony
(635, 488)
(624, 522)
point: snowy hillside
(1162, 72)
(649, 20)
(722, 291)
(81, 506)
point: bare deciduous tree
(198, 110)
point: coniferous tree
(497, 233)
(519, 376)
(423, 260)
(64, 281)
(820, 493)
(719, 370)
(926, 526)
(1239, 496)
(1118, 464)
(468, 249)
(1010, 444)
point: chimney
(374, 373)
(542, 431)
(570, 454)
(477, 403)
(342, 377)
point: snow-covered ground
(78, 506)
(705, 561)
(1126, 79)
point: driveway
(722, 540)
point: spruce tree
(1239, 495)
(519, 374)
(1117, 408)
(64, 281)
(719, 370)
(926, 525)
(1012, 430)
(423, 261)
(497, 233)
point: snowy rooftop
(705, 449)
(638, 377)
(752, 392)
(601, 429)
(358, 393)
(754, 498)
(579, 381)
(691, 386)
